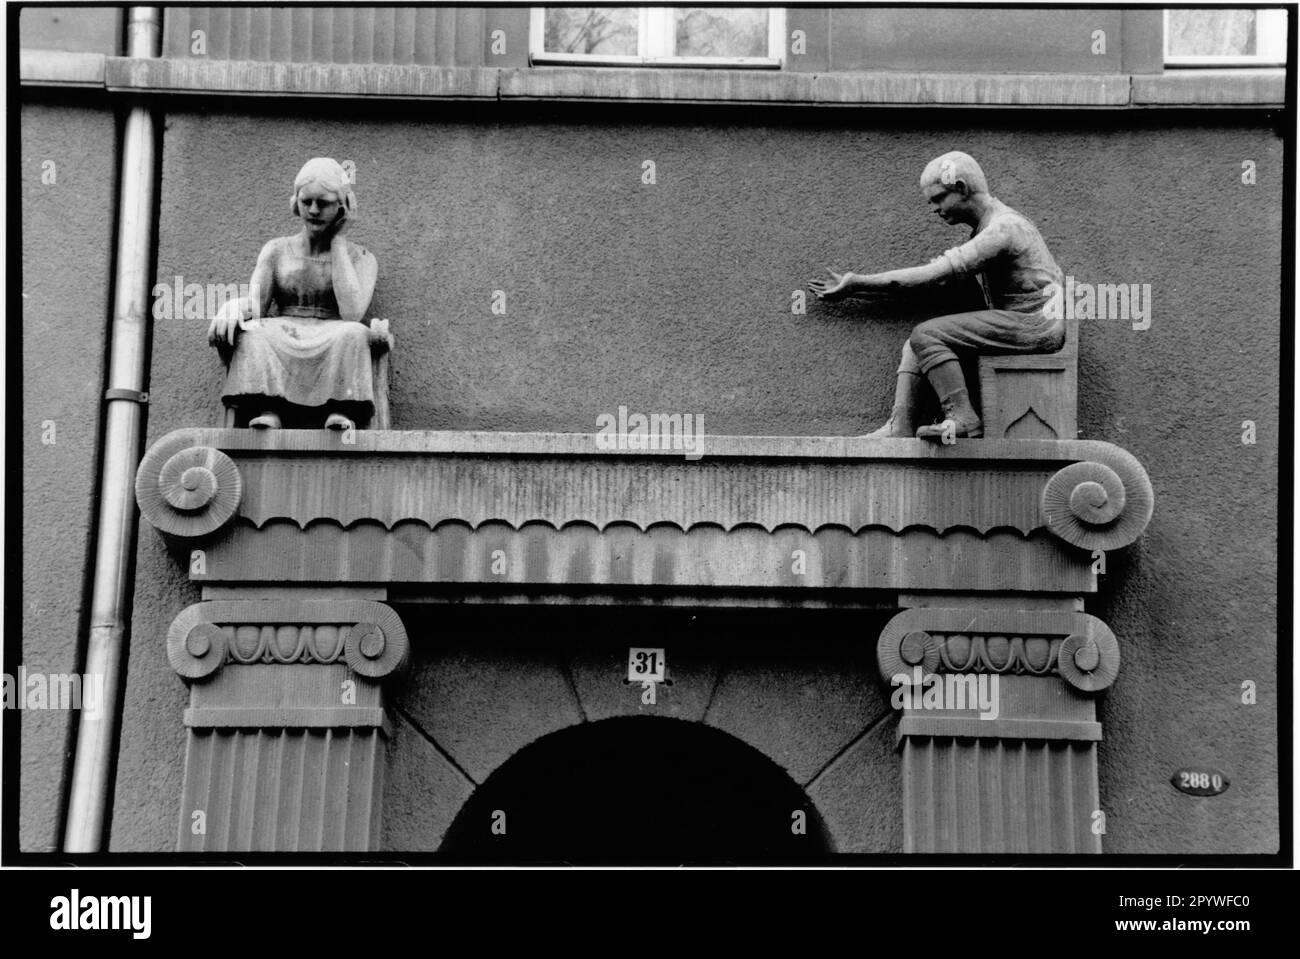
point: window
(1228, 38)
(658, 36)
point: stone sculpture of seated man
(1019, 278)
(313, 351)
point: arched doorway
(638, 790)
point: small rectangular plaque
(645, 665)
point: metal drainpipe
(90, 794)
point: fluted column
(286, 723)
(998, 727)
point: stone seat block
(1032, 396)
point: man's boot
(902, 422)
(960, 418)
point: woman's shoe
(337, 421)
(267, 421)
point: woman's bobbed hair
(329, 174)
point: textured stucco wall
(73, 29)
(1009, 40)
(675, 297)
(67, 244)
(987, 40)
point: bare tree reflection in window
(599, 30)
(1211, 33)
(721, 32)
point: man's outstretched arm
(841, 285)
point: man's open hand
(835, 288)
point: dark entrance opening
(638, 790)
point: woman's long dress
(308, 354)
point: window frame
(655, 34)
(1271, 33)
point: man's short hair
(951, 167)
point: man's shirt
(1017, 271)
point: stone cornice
(496, 443)
(193, 483)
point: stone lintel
(470, 595)
(746, 562)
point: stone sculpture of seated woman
(301, 348)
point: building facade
(422, 637)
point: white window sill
(1263, 88)
(589, 60)
(1215, 63)
(1211, 87)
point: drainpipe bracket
(135, 396)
